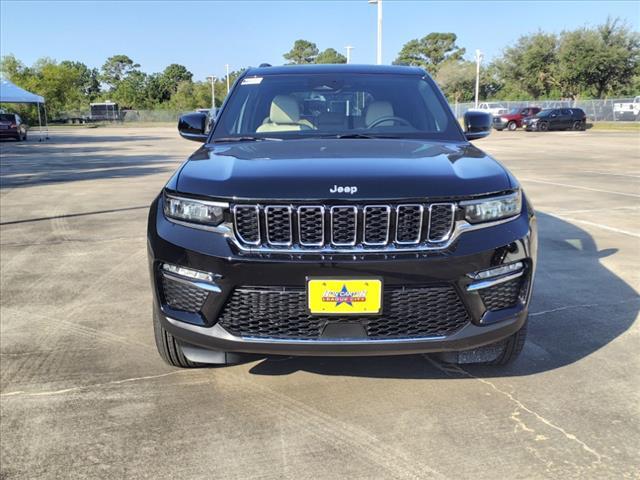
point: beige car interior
(377, 110)
(284, 116)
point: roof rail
(264, 65)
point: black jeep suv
(340, 210)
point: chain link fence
(627, 109)
(619, 109)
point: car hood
(317, 168)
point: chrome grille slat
(441, 217)
(348, 228)
(377, 220)
(311, 225)
(344, 226)
(408, 231)
(279, 225)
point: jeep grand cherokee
(340, 210)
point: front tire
(169, 348)
(512, 126)
(543, 126)
(577, 125)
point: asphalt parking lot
(85, 395)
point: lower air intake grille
(181, 296)
(503, 295)
(282, 313)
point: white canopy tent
(11, 93)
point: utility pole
(379, 48)
(479, 58)
(213, 93)
(226, 65)
(349, 48)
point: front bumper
(211, 252)
(499, 123)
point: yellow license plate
(344, 297)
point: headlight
(504, 119)
(488, 209)
(196, 211)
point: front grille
(315, 227)
(414, 312)
(503, 295)
(182, 296)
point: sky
(206, 35)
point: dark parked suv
(557, 119)
(12, 126)
(340, 210)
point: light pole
(379, 49)
(349, 48)
(479, 58)
(213, 93)
(226, 65)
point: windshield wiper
(353, 135)
(245, 138)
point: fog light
(497, 271)
(189, 273)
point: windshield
(515, 111)
(336, 105)
(544, 113)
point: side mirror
(193, 126)
(477, 125)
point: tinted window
(7, 117)
(317, 105)
(565, 111)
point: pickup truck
(491, 107)
(627, 110)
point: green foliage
(431, 51)
(598, 62)
(330, 55)
(302, 52)
(531, 65)
(115, 69)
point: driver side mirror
(193, 126)
(477, 125)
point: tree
(431, 51)
(116, 68)
(330, 55)
(86, 78)
(598, 62)
(457, 81)
(131, 91)
(175, 74)
(303, 51)
(531, 65)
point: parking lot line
(594, 224)
(579, 187)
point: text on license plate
(344, 297)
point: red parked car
(513, 119)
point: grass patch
(615, 126)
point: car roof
(335, 68)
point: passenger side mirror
(193, 126)
(477, 125)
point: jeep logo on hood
(343, 189)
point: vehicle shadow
(578, 307)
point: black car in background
(12, 126)
(366, 225)
(557, 119)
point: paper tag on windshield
(252, 81)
